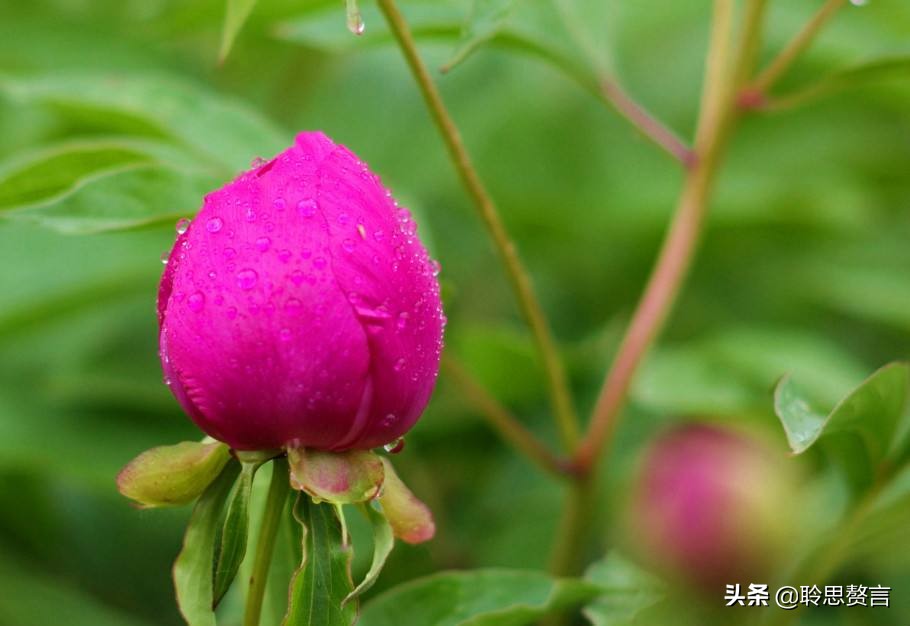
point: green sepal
(172, 475)
(336, 477)
(411, 519)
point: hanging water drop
(354, 18)
(394, 447)
(182, 225)
(164, 257)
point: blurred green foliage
(123, 115)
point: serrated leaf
(236, 14)
(159, 107)
(323, 580)
(896, 67)
(126, 198)
(172, 475)
(234, 532)
(627, 590)
(383, 542)
(862, 425)
(337, 477)
(488, 597)
(193, 579)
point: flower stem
(778, 67)
(680, 243)
(265, 545)
(508, 427)
(557, 382)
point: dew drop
(229, 253)
(214, 224)
(196, 301)
(402, 320)
(285, 334)
(279, 204)
(231, 312)
(284, 255)
(164, 257)
(354, 19)
(319, 263)
(263, 243)
(348, 245)
(258, 162)
(399, 364)
(378, 235)
(394, 447)
(343, 218)
(435, 267)
(183, 224)
(246, 279)
(307, 207)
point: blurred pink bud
(299, 307)
(711, 506)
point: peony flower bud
(710, 507)
(300, 308)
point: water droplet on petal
(307, 207)
(399, 364)
(378, 235)
(231, 312)
(214, 224)
(229, 253)
(183, 224)
(319, 262)
(263, 243)
(436, 267)
(348, 245)
(196, 301)
(402, 320)
(394, 447)
(246, 279)
(285, 334)
(284, 255)
(165, 256)
(279, 204)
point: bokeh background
(805, 266)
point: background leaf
(234, 532)
(627, 590)
(488, 597)
(236, 14)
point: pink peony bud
(299, 307)
(711, 506)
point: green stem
(679, 246)
(778, 67)
(265, 545)
(508, 427)
(519, 278)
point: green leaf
(130, 197)
(896, 67)
(627, 590)
(172, 475)
(234, 532)
(487, 597)
(411, 519)
(486, 19)
(383, 542)
(52, 172)
(337, 477)
(323, 580)
(235, 16)
(193, 580)
(157, 107)
(862, 425)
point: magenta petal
(299, 307)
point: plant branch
(519, 278)
(265, 545)
(679, 244)
(609, 90)
(508, 427)
(779, 66)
